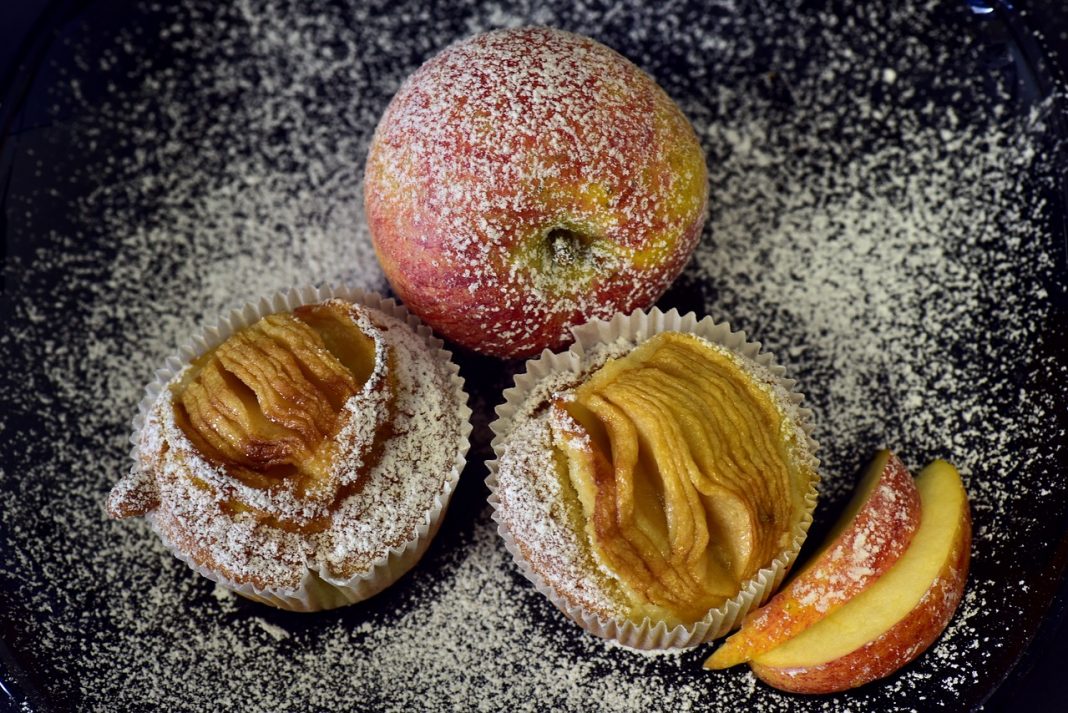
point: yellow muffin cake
(662, 480)
(305, 460)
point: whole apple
(524, 181)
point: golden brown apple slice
(748, 446)
(895, 619)
(875, 529)
(686, 475)
(592, 476)
(670, 463)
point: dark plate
(888, 217)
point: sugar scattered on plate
(876, 222)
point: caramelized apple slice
(222, 417)
(270, 396)
(684, 473)
(687, 517)
(716, 504)
(650, 577)
(750, 428)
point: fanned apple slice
(618, 542)
(895, 619)
(588, 467)
(729, 501)
(684, 516)
(639, 518)
(685, 472)
(875, 529)
(748, 439)
(225, 421)
(672, 465)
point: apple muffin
(305, 460)
(657, 480)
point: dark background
(29, 31)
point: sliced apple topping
(267, 402)
(685, 476)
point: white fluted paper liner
(318, 590)
(636, 328)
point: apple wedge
(867, 540)
(895, 619)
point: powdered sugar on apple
(496, 154)
(880, 237)
(876, 537)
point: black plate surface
(887, 217)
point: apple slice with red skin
(870, 536)
(894, 620)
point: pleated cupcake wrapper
(636, 328)
(318, 590)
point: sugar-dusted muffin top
(657, 481)
(315, 440)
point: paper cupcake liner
(635, 328)
(317, 590)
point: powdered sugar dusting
(885, 240)
(406, 388)
(401, 487)
(534, 499)
(537, 516)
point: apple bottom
(500, 321)
(474, 300)
(899, 645)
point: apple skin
(525, 181)
(868, 544)
(897, 646)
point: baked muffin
(306, 459)
(657, 480)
